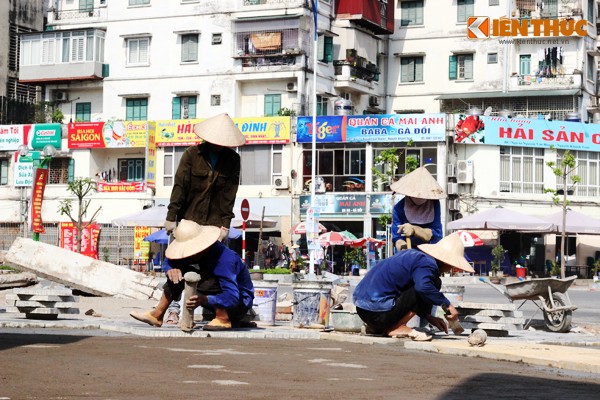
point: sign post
(245, 209)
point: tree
(80, 188)
(564, 171)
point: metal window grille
(522, 170)
(528, 107)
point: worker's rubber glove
(401, 245)
(170, 226)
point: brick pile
(42, 303)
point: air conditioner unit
(454, 205)
(281, 182)
(291, 87)
(373, 101)
(452, 188)
(60, 95)
(464, 171)
(451, 171)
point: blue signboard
(525, 132)
(373, 128)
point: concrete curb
(575, 359)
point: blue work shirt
(399, 218)
(380, 287)
(233, 276)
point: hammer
(191, 279)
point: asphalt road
(124, 367)
(588, 302)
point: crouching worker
(225, 286)
(408, 284)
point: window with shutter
(465, 9)
(525, 64)
(411, 13)
(176, 103)
(411, 69)
(189, 48)
(272, 104)
(452, 68)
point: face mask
(418, 201)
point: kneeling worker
(408, 284)
(225, 285)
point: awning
(514, 93)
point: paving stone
(494, 320)
(43, 291)
(43, 304)
(42, 310)
(493, 326)
(35, 297)
(487, 306)
(490, 313)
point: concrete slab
(80, 272)
(486, 306)
(492, 320)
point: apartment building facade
(102, 61)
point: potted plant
(498, 257)
(356, 259)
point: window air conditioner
(454, 205)
(464, 171)
(60, 95)
(281, 182)
(452, 188)
(451, 171)
(373, 101)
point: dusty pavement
(124, 367)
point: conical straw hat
(449, 250)
(220, 130)
(419, 184)
(190, 239)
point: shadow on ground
(504, 386)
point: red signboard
(37, 197)
(89, 238)
(131, 187)
(245, 209)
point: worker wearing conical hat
(208, 176)
(418, 214)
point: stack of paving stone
(42, 303)
(495, 319)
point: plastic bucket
(311, 305)
(521, 272)
(265, 302)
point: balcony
(534, 82)
(60, 56)
(355, 73)
(267, 48)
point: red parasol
(469, 239)
(300, 228)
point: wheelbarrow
(548, 294)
